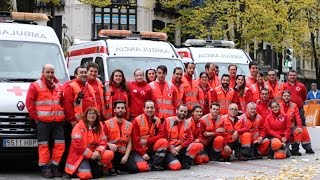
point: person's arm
(77, 143)
(68, 104)
(241, 127)
(102, 142)
(188, 140)
(249, 96)
(236, 99)
(288, 128)
(161, 134)
(297, 117)
(262, 128)
(213, 95)
(135, 137)
(30, 100)
(304, 92)
(129, 148)
(175, 98)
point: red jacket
(139, 93)
(263, 109)
(292, 111)
(195, 128)
(250, 80)
(207, 92)
(278, 125)
(99, 94)
(298, 93)
(88, 100)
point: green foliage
(98, 3)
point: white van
(24, 49)
(221, 53)
(127, 51)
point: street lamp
(64, 31)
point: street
(303, 167)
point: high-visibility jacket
(224, 99)
(230, 127)
(215, 82)
(255, 90)
(255, 126)
(84, 142)
(206, 98)
(276, 89)
(292, 111)
(191, 92)
(209, 125)
(117, 136)
(250, 80)
(165, 105)
(195, 127)
(78, 107)
(175, 135)
(109, 102)
(145, 130)
(245, 99)
(232, 82)
(99, 92)
(48, 105)
(180, 90)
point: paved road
(304, 167)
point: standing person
(299, 134)
(44, 103)
(217, 70)
(254, 143)
(196, 111)
(298, 93)
(273, 84)
(78, 96)
(212, 132)
(164, 94)
(147, 141)
(139, 93)
(98, 86)
(116, 90)
(118, 131)
(191, 89)
(232, 69)
(243, 92)
(314, 93)
(181, 145)
(178, 83)
(225, 94)
(263, 103)
(88, 147)
(214, 80)
(252, 78)
(151, 75)
(207, 94)
(256, 88)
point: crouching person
(88, 152)
(181, 146)
(148, 144)
(118, 131)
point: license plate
(20, 143)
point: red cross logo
(17, 90)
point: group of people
(155, 124)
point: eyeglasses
(92, 113)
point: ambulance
(221, 53)
(24, 48)
(125, 50)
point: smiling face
(182, 112)
(92, 73)
(275, 107)
(240, 81)
(151, 75)
(161, 75)
(138, 76)
(48, 72)
(117, 77)
(82, 74)
(197, 113)
(149, 109)
(233, 110)
(190, 69)
(177, 75)
(91, 116)
(232, 71)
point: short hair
(187, 64)
(232, 65)
(177, 68)
(286, 91)
(252, 63)
(264, 89)
(251, 104)
(292, 71)
(214, 104)
(216, 66)
(92, 65)
(148, 101)
(76, 70)
(271, 70)
(207, 66)
(273, 101)
(261, 74)
(163, 68)
(182, 105)
(118, 102)
(195, 107)
(225, 75)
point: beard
(225, 85)
(182, 116)
(120, 115)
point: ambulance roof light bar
(22, 17)
(109, 33)
(208, 43)
(195, 42)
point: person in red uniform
(196, 111)
(78, 96)
(273, 84)
(116, 90)
(182, 148)
(151, 75)
(88, 147)
(256, 88)
(232, 69)
(178, 83)
(139, 93)
(278, 127)
(298, 93)
(299, 134)
(214, 80)
(207, 94)
(252, 78)
(243, 92)
(263, 104)
(44, 103)
(147, 141)
(164, 94)
(98, 86)
(226, 95)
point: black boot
(295, 149)
(55, 171)
(46, 172)
(271, 153)
(309, 151)
(184, 162)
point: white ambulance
(125, 50)
(221, 53)
(24, 49)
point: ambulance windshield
(129, 64)
(23, 61)
(223, 68)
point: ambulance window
(101, 76)
(85, 61)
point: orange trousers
(280, 151)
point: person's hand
(95, 155)
(260, 140)
(255, 142)
(173, 152)
(177, 149)
(220, 130)
(235, 136)
(143, 141)
(208, 134)
(284, 139)
(124, 159)
(146, 157)
(197, 141)
(112, 147)
(299, 130)
(226, 149)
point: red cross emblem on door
(17, 90)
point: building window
(121, 15)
